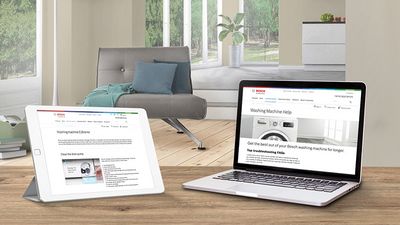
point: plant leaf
(231, 27)
(238, 27)
(238, 18)
(226, 18)
(223, 34)
(226, 26)
(238, 38)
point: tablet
(92, 152)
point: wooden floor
(178, 150)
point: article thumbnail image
(303, 130)
(82, 171)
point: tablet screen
(94, 151)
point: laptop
(296, 141)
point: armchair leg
(172, 124)
(182, 129)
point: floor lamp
(55, 75)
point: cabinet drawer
(324, 33)
(324, 54)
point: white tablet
(92, 152)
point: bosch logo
(60, 115)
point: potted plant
(232, 27)
(327, 17)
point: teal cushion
(182, 82)
(154, 78)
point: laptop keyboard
(282, 181)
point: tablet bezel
(40, 164)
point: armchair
(117, 65)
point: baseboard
(333, 68)
(291, 67)
(328, 68)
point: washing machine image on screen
(275, 128)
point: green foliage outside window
(154, 23)
(262, 20)
(17, 38)
(197, 46)
(176, 22)
(261, 26)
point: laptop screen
(313, 129)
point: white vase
(235, 55)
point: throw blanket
(108, 95)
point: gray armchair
(117, 65)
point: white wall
(373, 56)
(83, 57)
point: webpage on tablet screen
(94, 151)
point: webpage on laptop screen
(94, 151)
(307, 129)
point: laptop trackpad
(250, 190)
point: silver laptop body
(296, 141)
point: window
(261, 25)
(20, 55)
(339, 130)
(185, 23)
(17, 39)
(334, 130)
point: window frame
(187, 28)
